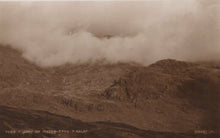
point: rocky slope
(168, 95)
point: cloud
(55, 33)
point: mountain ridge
(168, 95)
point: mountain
(166, 96)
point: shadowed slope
(19, 119)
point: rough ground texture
(21, 120)
(169, 95)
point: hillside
(26, 123)
(169, 95)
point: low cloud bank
(55, 33)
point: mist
(56, 33)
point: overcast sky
(55, 33)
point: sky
(56, 33)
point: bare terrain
(167, 96)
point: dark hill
(15, 122)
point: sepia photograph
(110, 69)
